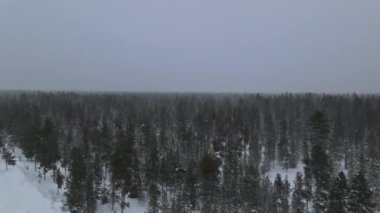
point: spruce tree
(123, 164)
(374, 167)
(165, 207)
(320, 162)
(298, 203)
(281, 194)
(283, 146)
(338, 195)
(231, 176)
(250, 189)
(285, 196)
(8, 157)
(308, 183)
(266, 194)
(75, 196)
(209, 167)
(153, 205)
(58, 179)
(192, 182)
(359, 197)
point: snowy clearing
(289, 173)
(20, 195)
(23, 190)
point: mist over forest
(198, 152)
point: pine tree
(298, 203)
(91, 184)
(285, 196)
(374, 167)
(308, 183)
(320, 162)
(192, 181)
(2, 138)
(250, 189)
(58, 179)
(165, 207)
(75, 196)
(283, 146)
(8, 157)
(31, 138)
(122, 165)
(153, 199)
(359, 197)
(266, 194)
(90, 191)
(152, 163)
(48, 152)
(321, 167)
(231, 175)
(209, 167)
(338, 195)
(281, 194)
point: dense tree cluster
(207, 152)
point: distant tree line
(207, 152)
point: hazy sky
(191, 45)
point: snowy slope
(24, 190)
(19, 195)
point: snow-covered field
(24, 190)
(19, 193)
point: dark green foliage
(209, 166)
(283, 146)
(322, 169)
(266, 194)
(298, 202)
(48, 153)
(281, 195)
(59, 179)
(319, 128)
(8, 157)
(320, 163)
(338, 195)
(121, 162)
(153, 199)
(250, 189)
(75, 195)
(231, 175)
(359, 197)
(32, 138)
(308, 182)
(191, 184)
(152, 164)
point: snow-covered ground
(135, 207)
(289, 173)
(24, 190)
(20, 194)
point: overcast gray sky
(191, 45)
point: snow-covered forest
(179, 153)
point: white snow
(19, 195)
(290, 173)
(135, 207)
(24, 190)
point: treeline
(207, 152)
